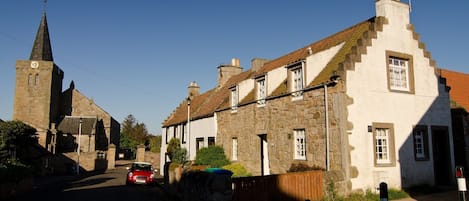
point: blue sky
(138, 57)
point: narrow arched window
(30, 80)
(36, 79)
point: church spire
(42, 49)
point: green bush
(173, 145)
(237, 169)
(214, 156)
(180, 156)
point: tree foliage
(173, 146)
(155, 143)
(133, 133)
(15, 138)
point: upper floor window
(400, 72)
(234, 99)
(420, 135)
(383, 139)
(296, 78)
(184, 133)
(300, 144)
(261, 91)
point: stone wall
(278, 118)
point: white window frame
(419, 144)
(398, 74)
(234, 99)
(299, 137)
(261, 91)
(297, 80)
(382, 146)
(234, 149)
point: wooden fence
(298, 186)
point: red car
(140, 173)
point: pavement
(450, 195)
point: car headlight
(130, 174)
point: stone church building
(64, 119)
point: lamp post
(189, 126)
(78, 149)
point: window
(296, 80)
(300, 144)
(234, 99)
(383, 144)
(36, 80)
(261, 91)
(420, 143)
(211, 141)
(399, 72)
(183, 133)
(234, 150)
(30, 80)
(199, 143)
(167, 135)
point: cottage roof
(353, 39)
(71, 124)
(458, 82)
(42, 50)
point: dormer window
(297, 80)
(261, 91)
(234, 99)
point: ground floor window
(300, 144)
(383, 138)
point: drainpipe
(333, 81)
(326, 108)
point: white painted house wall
(201, 128)
(367, 86)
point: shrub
(214, 156)
(180, 156)
(173, 145)
(301, 167)
(238, 170)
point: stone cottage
(57, 115)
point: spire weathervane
(44, 6)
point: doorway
(265, 169)
(441, 155)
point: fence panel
(298, 186)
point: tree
(133, 133)
(155, 143)
(15, 138)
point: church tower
(38, 86)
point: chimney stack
(226, 71)
(257, 63)
(193, 89)
(396, 12)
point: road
(105, 186)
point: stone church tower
(38, 87)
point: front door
(441, 156)
(265, 170)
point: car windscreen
(144, 167)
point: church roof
(71, 124)
(42, 50)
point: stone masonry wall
(278, 118)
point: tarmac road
(105, 186)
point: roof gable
(458, 83)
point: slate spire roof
(42, 50)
